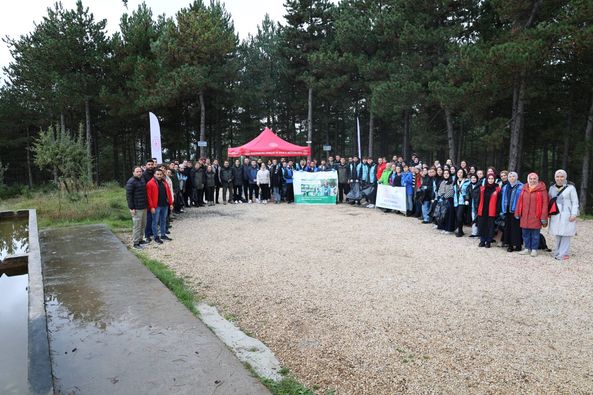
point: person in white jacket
(263, 182)
(563, 225)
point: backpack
(542, 243)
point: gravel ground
(362, 302)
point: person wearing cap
(563, 225)
(532, 210)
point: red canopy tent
(269, 144)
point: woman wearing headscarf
(488, 210)
(532, 209)
(445, 196)
(563, 225)
(510, 196)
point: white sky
(18, 16)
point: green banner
(315, 188)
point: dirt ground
(363, 302)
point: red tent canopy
(269, 144)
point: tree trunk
(406, 142)
(202, 123)
(545, 163)
(450, 136)
(586, 158)
(517, 123)
(310, 122)
(87, 114)
(29, 170)
(62, 123)
(567, 141)
(371, 129)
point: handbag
(553, 205)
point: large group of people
(448, 196)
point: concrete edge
(247, 349)
(39, 369)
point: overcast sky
(18, 16)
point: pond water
(14, 303)
(14, 236)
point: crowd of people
(448, 196)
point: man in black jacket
(198, 178)
(237, 182)
(136, 197)
(246, 166)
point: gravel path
(362, 302)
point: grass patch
(168, 277)
(105, 205)
(287, 386)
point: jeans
(139, 223)
(410, 203)
(159, 220)
(276, 194)
(148, 228)
(531, 239)
(425, 211)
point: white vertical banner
(358, 132)
(155, 138)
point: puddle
(14, 237)
(13, 334)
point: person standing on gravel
(343, 187)
(287, 173)
(563, 225)
(276, 180)
(488, 210)
(263, 182)
(160, 200)
(510, 196)
(226, 179)
(198, 179)
(532, 210)
(253, 188)
(210, 184)
(245, 176)
(136, 197)
(148, 175)
(237, 182)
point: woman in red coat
(488, 209)
(532, 210)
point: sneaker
(167, 232)
(144, 241)
(148, 241)
(482, 244)
(562, 257)
(525, 252)
(488, 245)
(240, 202)
(533, 253)
(158, 241)
(137, 247)
(166, 238)
(371, 206)
(224, 203)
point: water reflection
(14, 237)
(13, 334)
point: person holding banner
(343, 187)
(287, 173)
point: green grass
(287, 386)
(168, 277)
(105, 205)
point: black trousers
(486, 228)
(227, 191)
(265, 191)
(198, 196)
(237, 192)
(253, 190)
(289, 193)
(210, 194)
(460, 218)
(343, 189)
(512, 234)
(246, 190)
(217, 192)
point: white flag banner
(155, 138)
(393, 198)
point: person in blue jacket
(511, 191)
(253, 188)
(461, 199)
(408, 182)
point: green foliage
(106, 205)
(68, 155)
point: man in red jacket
(160, 201)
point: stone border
(39, 369)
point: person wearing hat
(532, 210)
(563, 225)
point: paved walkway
(116, 329)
